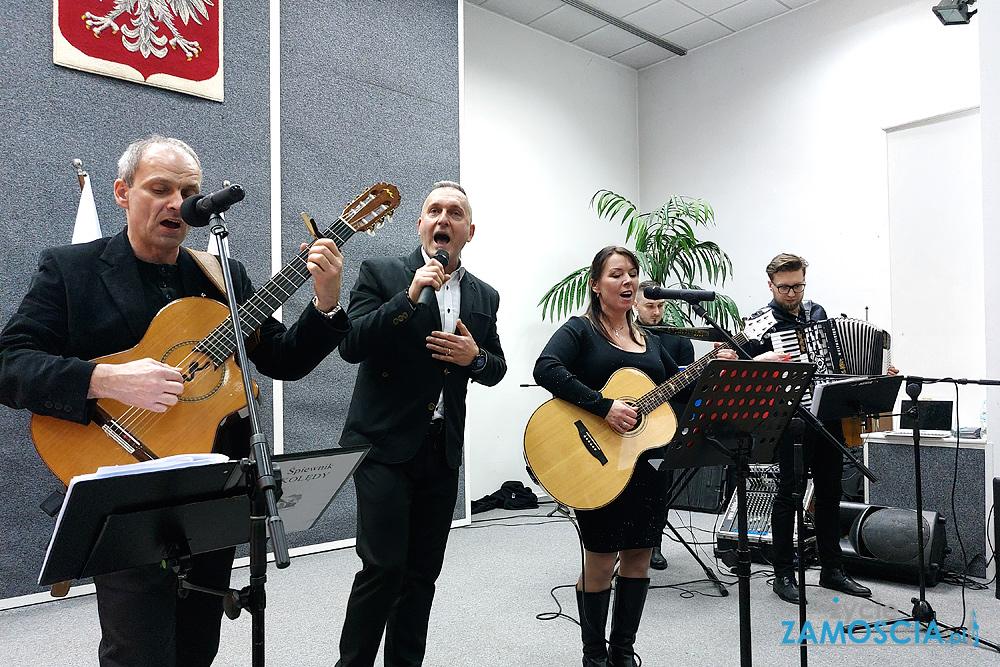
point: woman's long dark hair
(594, 309)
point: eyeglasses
(797, 288)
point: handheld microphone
(197, 210)
(689, 295)
(427, 293)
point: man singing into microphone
(421, 331)
(95, 299)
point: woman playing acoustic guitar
(576, 363)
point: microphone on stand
(197, 210)
(427, 293)
(689, 295)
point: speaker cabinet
(996, 532)
(892, 462)
(882, 542)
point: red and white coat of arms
(175, 44)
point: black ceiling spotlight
(955, 12)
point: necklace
(619, 329)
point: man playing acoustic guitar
(95, 299)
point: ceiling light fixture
(628, 27)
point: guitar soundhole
(201, 378)
(641, 421)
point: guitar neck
(670, 388)
(220, 344)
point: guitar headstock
(759, 324)
(372, 209)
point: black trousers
(144, 622)
(827, 465)
(404, 516)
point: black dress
(575, 364)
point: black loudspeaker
(882, 542)
(707, 491)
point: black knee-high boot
(630, 598)
(593, 609)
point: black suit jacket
(398, 382)
(87, 301)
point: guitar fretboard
(662, 393)
(220, 344)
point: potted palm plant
(669, 252)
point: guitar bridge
(590, 443)
(123, 438)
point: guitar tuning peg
(370, 231)
(380, 224)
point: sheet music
(139, 468)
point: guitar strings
(138, 421)
(663, 392)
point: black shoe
(838, 581)
(656, 560)
(786, 588)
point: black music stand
(143, 514)
(113, 523)
(856, 397)
(673, 494)
(737, 413)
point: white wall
(781, 128)
(545, 125)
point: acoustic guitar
(584, 463)
(195, 335)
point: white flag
(88, 227)
(213, 245)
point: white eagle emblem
(148, 15)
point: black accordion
(838, 346)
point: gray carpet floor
(495, 607)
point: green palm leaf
(666, 244)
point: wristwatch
(333, 313)
(478, 362)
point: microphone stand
(922, 613)
(742, 552)
(261, 478)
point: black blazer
(398, 382)
(87, 301)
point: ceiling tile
(698, 34)
(748, 13)
(567, 23)
(707, 7)
(662, 17)
(522, 11)
(795, 4)
(644, 55)
(609, 40)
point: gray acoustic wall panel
(369, 92)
